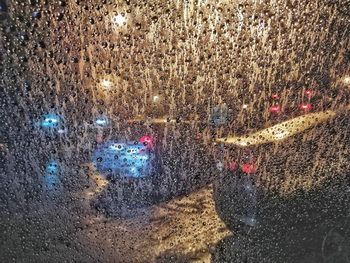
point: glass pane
(174, 131)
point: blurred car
(150, 161)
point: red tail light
(308, 93)
(306, 107)
(275, 108)
(248, 168)
(147, 140)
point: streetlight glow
(155, 98)
(119, 20)
(107, 84)
(346, 80)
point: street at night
(175, 131)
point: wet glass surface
(175, 131)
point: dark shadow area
(174, 257)
(308, 226)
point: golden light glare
(156, 98)
(346, 80)
(106, 84)
(281, 130)
(119, 20)
(279, 135)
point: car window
(174, 131)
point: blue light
(50, 121)
(52, 167)
(51, 176)
(101, 121)
(127, 159)
(117, 146)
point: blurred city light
(308, 93)
(101, 121)
(275, 108)
(147, 141)
(106, 84)
(117, 146)
(50, 121)
(119, 20)
(50, 179)
(279, 135)
(122, 159)
(248, 168)
(156, 98)
(306, 107)
(61, 131)
(346, 80)
(279, 131)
